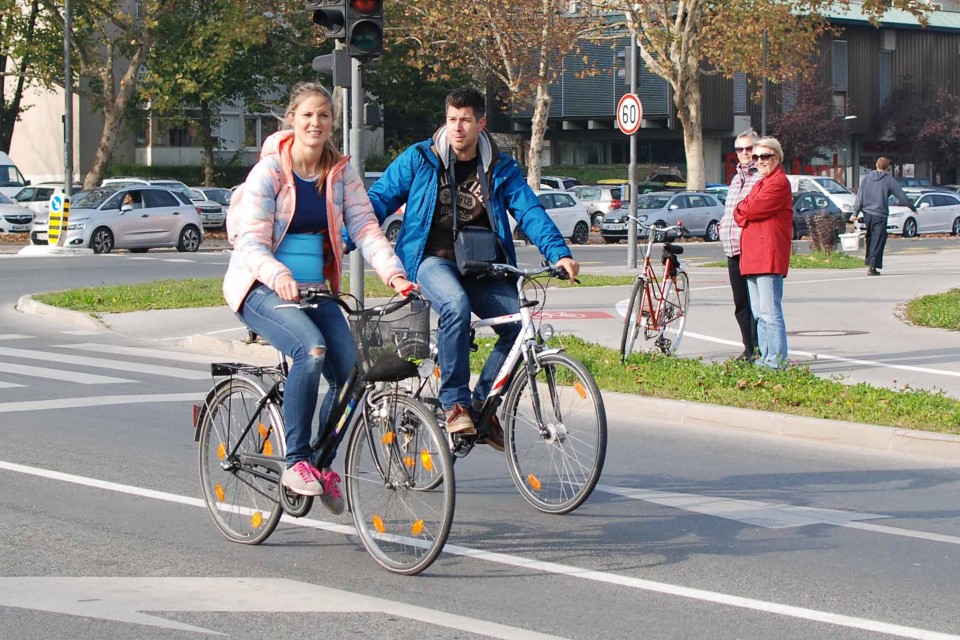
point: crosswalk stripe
(98, 401)
(82, 332)
(61, 358)
(9, 385)
(80, 377)
(12, 336)
(140, 351)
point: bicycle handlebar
(310, 295)
(651, 227)
(508, 269)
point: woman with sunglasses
(766, 216)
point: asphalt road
(694, 533)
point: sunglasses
(743, 149)
(762, 156)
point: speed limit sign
(629, 113)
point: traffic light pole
(356, 146)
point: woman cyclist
(285, 225)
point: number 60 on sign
(629, 113)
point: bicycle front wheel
(673, 317)
(555, 460)
(242, 499)
(395, 449)
(632, 321)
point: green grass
(165, 294)
(941, 310)
(815, 260)
(794, 390)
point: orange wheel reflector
(221, 451)
(581, 390)
(256, 520)
(409, 461)
(533, 482)
(436, 372)
(378, 524)
(426, 458)
(417, 527)
(262, 430)
(388, 437)
(218, 489)
(267, 448)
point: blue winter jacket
(413, 179)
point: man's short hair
(468, 97)
(883, 163)
(749, 133)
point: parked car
(562, 183)
(392, 223)
(36, 197)
(719, 191)
(699, 212)
(169, 183)
(158, 218)
(568, 213)
(213, 213)
(11, 180)
(937, 212)
(218, 194)
(839, 194)
(14, 218)
(598, 199)
(812, 203)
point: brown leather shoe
(493, 435)
(459, 421)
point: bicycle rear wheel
(243, 500)
(632, 321)
(673, 318)
(556, 466)
(394, 449)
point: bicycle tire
(402, 528)
(429, 395)
(631, 321)
(556, 471)
(244, 506)
(673, 318)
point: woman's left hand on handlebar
(403, 286)
(571, 266)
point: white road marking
(98, 401)
(157, 354)
(9, 385)
(569, 571)
(123, 599)
(176, 260)
(760, 514)
(82, 332)
(13, 336)
(101, 363)
(79, 377)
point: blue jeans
(766, 297)
(453, 297)
(296, 332)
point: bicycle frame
(654, 287)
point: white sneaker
(302, 478)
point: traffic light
(364, 29)
(331, 16)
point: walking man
(745, 177)
(872, 200)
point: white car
(839, 194)
(14, 218)
(937, 212)
(36, 197)
(568, 213)
(561, 183)
(157, 218)
(213, 213)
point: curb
(26, 304)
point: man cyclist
(420, 179)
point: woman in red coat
(766, 216)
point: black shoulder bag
(474, 247)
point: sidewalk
(217, 331)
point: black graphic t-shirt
(470, 209)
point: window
(789, 96)
(886, 77)
(840, 66)
(740, 93)
(820, 202)
(563, 200)
(695, 202)
(546, 201)
(589, 195)
(159, 198)
(256, 129)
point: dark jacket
(766, 215)
(413, 179)
(874, 193)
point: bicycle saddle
(675, 249)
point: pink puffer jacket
(263, 208)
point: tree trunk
(538, 129)
(11, 114)
(206, 141)
(687, 101)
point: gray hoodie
(875, 189)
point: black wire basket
(392, 339)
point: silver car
(699, 212)
(599, 199)
(100, 220)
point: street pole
(68, 103)
(632, 169)
(763, 90)
(356, 145)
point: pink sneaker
(302, 478)
(331, 498)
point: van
(838, 194)
(11, 180)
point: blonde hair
(770, 143)
(330, 156)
